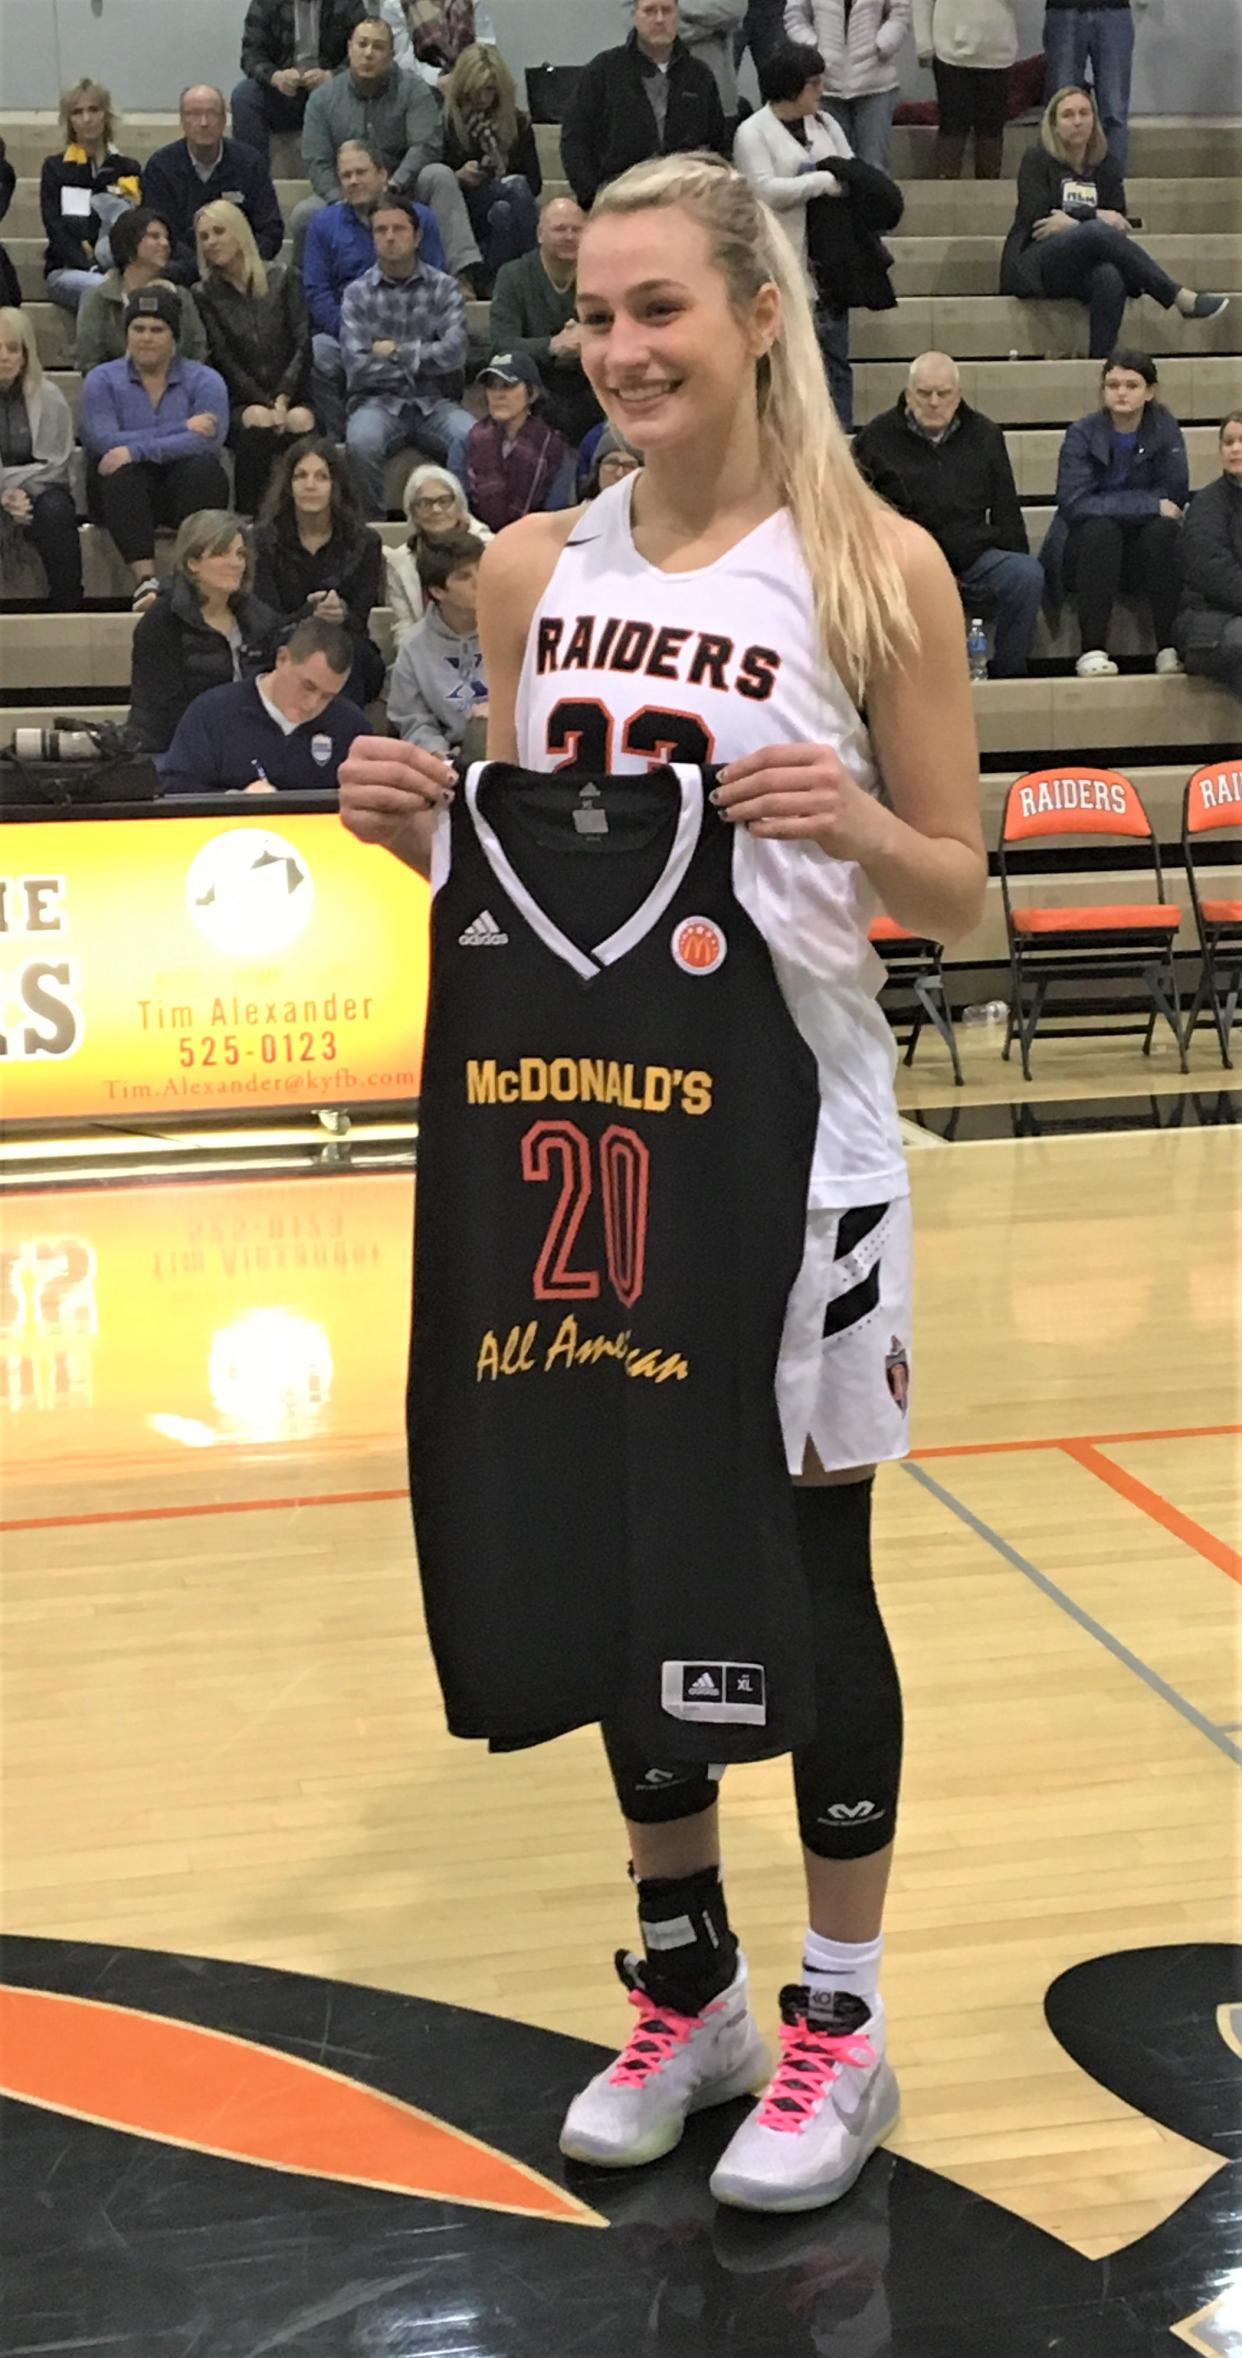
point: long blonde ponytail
(861, 607)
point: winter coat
(1042, 184)
(73, 236)
(1158, 470)
(101, 325)
(176, 656)
(260, 344)
(268, 35)
(860, 58)
(961, 490)
(849, 260)
(285, 574)
(611, 125)
(1211, 569)
(982, 34)
(786, 174)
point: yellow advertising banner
(188, 966)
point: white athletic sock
(844, 1965)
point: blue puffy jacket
(1158, 470)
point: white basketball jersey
(626, 666)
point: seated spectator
(612, 460)
(970, 50)
(154, 426)
(1070, 236)
(82, 190)
(1076, 37)
(860, 46)
(945, 465)
(403, 337)
(516, 464)
(288, 48)
(1208, 630)
(399, 116)
(141, 247)
(648, 98)
(437, 684)
(10, 290)
(429, 35)
(259, 340)
(339, 247)
(435, 508)
(314, 556)
(288, 730)
(187, 174)
(203, 630)
(491, 148)
(534, 310)
(1122, 483)
(36, 441)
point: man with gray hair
(201, 166)
(945, 465)
(651, 97)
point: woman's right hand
(1169, 507)
(386, 785)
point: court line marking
(1075, 1440)
(1095, 1629)
(1161, 1510)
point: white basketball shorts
(843, 1382)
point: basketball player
(811, 642)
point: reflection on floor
(275, 2213)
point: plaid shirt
(424, 316)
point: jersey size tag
(724, 1691)
(590, 817)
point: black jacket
(259, 343)
(267, 35)
(172, 188)
(848, 258)
(1211, 570)
(611, 125)
(285, 574)
(72, 237)
(960, 490)
(176, 655)
(10, 291)
(1041, 181)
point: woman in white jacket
(435, 505)
(970, 46)
(785, 150)
(858, 41)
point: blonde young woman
(82, 190)
(491, 148)
(748, 518)
(435, 506)
(258, 338)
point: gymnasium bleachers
(1022, 363)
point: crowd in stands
(196, 339)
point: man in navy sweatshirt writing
(289, 729)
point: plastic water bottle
(977, 649)
(986, 1011)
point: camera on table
(68, 740)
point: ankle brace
(690, 1950)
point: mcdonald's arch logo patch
(699, 946)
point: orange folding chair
(1065, 821)
(1211, 807)
(916, 965)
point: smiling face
(1126, 395)
(221, 576)
(154, 248)
(669, 360)
(438, 511)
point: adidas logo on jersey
(725, 1691)
(483, 934)
(706, 1685)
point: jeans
(441, 431)
(258, 110)
(504, 220)
(69, 288)
(1100, 267)
(328, 385)
(1011, 585)
(53, 528)
(437, 186)
(833, 331)
(1104, 555)
(138, 497)
(867, 124)
(1106, 37)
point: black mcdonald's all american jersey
(617, 1128)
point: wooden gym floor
(221, 1733)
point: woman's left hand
(799, 793)
(329, 606)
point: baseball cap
(155, 302)
(511, 368)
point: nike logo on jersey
(483, 934)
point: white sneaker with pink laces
(833, 2100)
(672, 2065)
